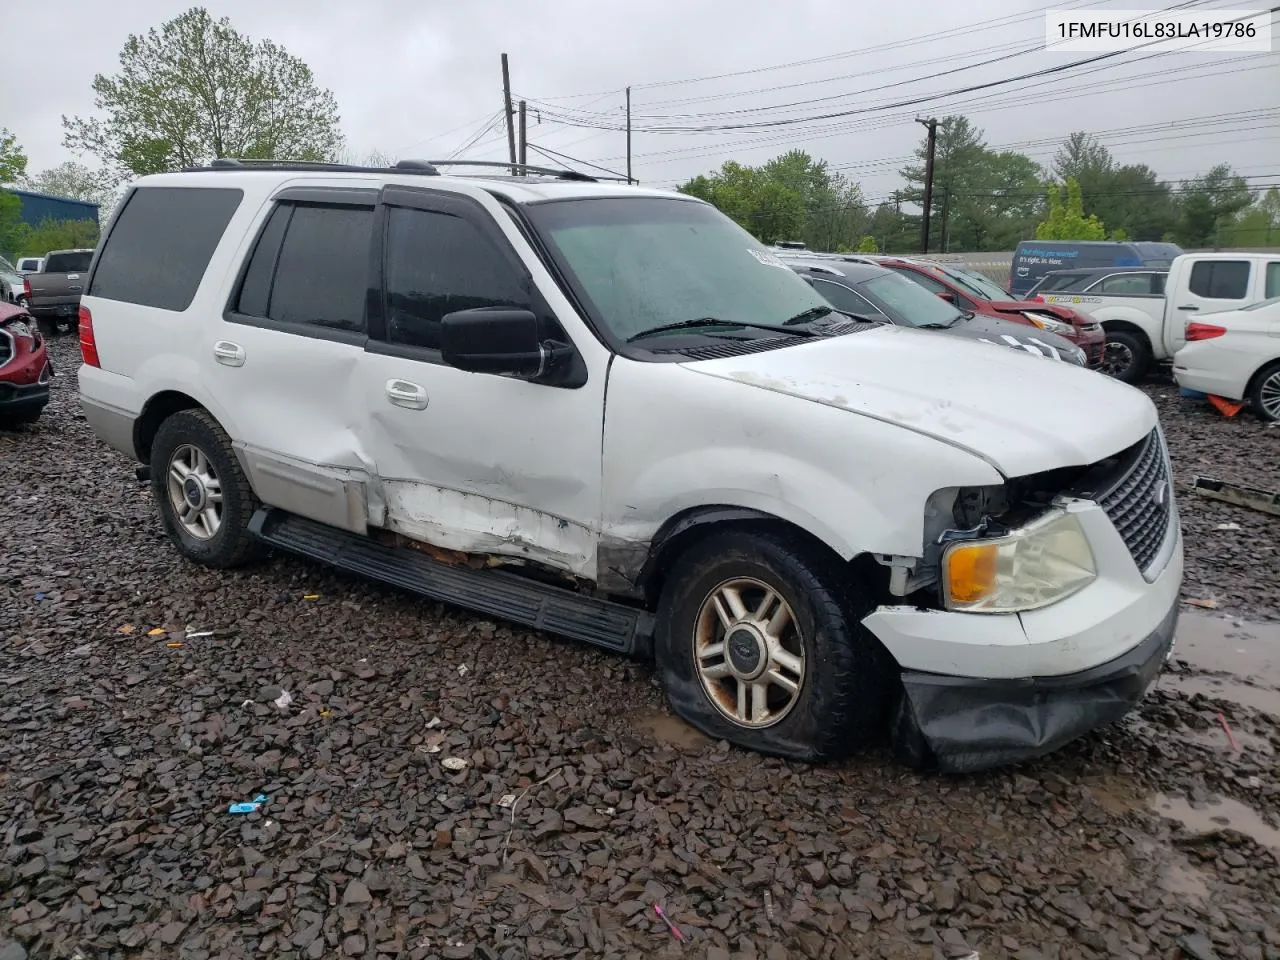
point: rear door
(1210, 286)
(286, 356)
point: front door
(468, 462)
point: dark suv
(1116, 281)
(871, 292)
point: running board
(497, 593)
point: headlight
(1044, 562)
(1048, 324)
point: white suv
(608, 412)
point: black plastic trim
(497, 593)
(329, 196)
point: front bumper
(970, 724)
(23, 396)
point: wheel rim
(1116, 358)
(195, 493)
(1269, 396)
(749, 653)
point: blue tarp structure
(38, 207)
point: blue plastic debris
(39, 596)
(1191, 394)
(249, 807)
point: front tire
(1125, 356)
(204, 499)
(759, 642)
(1264, 395)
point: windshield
(68, 262)
(907, 301)
(643, 262)
(977, 284)
(6, 266)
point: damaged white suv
(609, 413)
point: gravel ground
(582, 803)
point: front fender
(675, 441)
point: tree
(1129, 197)
(78, 182)
(1258, 226)
(195, 89)
(12, 229)
(1209, 203)
(59, 235)
(13, 162)
(868, 245)
(1067, 221)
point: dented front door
(475, 463)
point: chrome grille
(1141, 503)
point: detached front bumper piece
(964, 724)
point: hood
(1066, 314)
(1016, 411)
(1018, 336)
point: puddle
(1221, 688)
(1250, 650)
(672, 731)
(1222, 815)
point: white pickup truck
(1145, 314)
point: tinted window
(1063, 282)
(436, 264)
(75, 262)
(160, 245)
(842, 298)
(1273, 280)
(1157, 283)
(1127, 284)
(908, 302)
(1220, 279)
(316, 276)
(7, 266)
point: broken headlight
(1038, 564)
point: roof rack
(426, 168)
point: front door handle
(228, 353)
(1188, 306)
(405, 394)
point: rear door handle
(1188, 306)
(405, 394)
(228, 353)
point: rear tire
(22, 419)
(818, 683)
(1264, 395)
(203, 497)
(1126, 356)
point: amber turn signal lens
(971, 572)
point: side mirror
(499, 340)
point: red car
(25, 369)
(975, 293)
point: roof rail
(235, 163)
(561, 174)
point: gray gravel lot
(121, 747)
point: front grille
(6, 348)
(1140, 504)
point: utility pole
(524, 137)
(932, 126)
(506, 101)
(628, 134)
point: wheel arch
(1127, 326)
(649, 567)
(155, 411)
(1256, 377)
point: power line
(553, 155)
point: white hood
(1020, 413)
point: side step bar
(497, 593)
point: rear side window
(845, 300)
(1273, 280)
(1127, 285)
(1063, 282)
(436, 264)
(310, 267)
(76, 261)
(1220, 279)
(161, 243)
(930, 284)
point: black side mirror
(499, 340)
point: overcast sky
(417, 79)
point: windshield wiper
(717, 322)
(813, 313)
(949, 324)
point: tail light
(88, 346)
(1204, 331)
(26, 288)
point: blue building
(38, 207)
